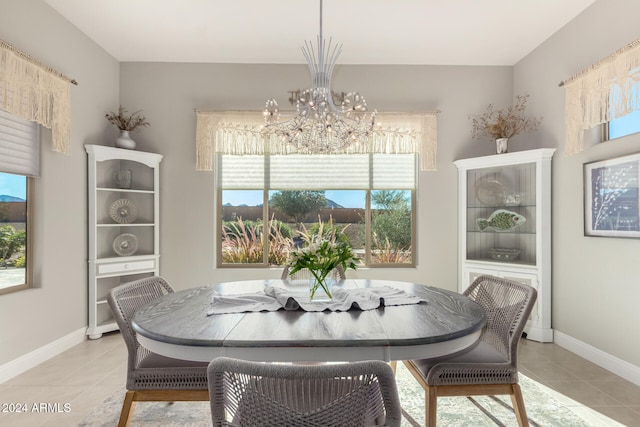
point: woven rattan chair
(336, 274)
(261, 394)
(151, 377)
(491, 367)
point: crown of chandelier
(319, 126)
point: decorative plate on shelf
(490, 192)
(123, 211)
(125, 244)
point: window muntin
(15, 247)
(247, 186)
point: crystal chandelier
(319, 126)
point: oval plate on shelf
(123, 211)
(125, 244)
(490, 192)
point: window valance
(36, 93)
(241, 133)
(607, 90)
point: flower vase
(502, 145)
(125, 141)
(320, 286)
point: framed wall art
(611, 197)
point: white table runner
(275, 298)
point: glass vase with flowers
(321, 255)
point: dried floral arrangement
(126, 122)
(504, 123)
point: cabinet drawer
(123, 267)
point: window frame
(28, 276)
(20, 140)
(265, 230)
(368, 234)
(606, 131)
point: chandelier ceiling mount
(319, 126)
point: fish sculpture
(501, 220)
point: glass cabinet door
(501, 214)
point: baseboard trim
(605, 360)
(25, 362)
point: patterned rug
(544, 408)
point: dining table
(180, 325)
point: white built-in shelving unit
(124, 225)
(518, 183)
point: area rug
(543, 409)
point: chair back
(508, 304)
(348, 394)
(125, 299)
(336, 274)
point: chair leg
(518, 405)
(394, 366)
(430, 406)
(127, 409)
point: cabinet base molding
(539, 334)
(95, 332)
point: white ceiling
(437, 32)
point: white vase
(502, 145)
(125, 141)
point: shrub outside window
(367, 199)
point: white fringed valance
(240, 132)
(36, 93)
(605, 91)
(409, 133)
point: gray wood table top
(177, 325)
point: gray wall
(168, 93)
(595, 279)
(58, 305)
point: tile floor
(88, 373)
(585, 383)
